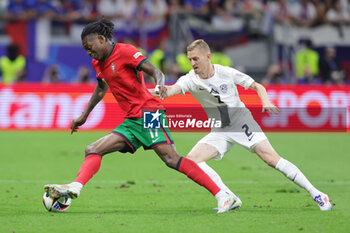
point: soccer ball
(56, 204)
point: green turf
(138, 193)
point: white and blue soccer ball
(56, 204)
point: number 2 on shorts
(246, 130)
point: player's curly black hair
(102, 27)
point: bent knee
(194, 158)
(269, 158)
(90, 149)
(170, 160)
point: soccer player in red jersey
(119, 67)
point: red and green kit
(121, 70)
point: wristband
(156, 89)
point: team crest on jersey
(114, 70)
(223, 88)
(113, 67)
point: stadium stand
(48, 31)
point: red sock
(192, 171)
(90, 167)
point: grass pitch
(138, 193)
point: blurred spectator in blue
(52, 74)
(84, 76)
(67, 10)
(75, 3)
(76, 10)
(69, 14)
(12, 66)
(83, 12)
(307, 63)
(199, 8)
(196, 6)
(43, 9)
(17, 10)
(330, 69)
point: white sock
(76, 185)
(215, 177)
(220, 194)
(294, 174)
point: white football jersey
(218, 95)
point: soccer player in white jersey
(214, 86)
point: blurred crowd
(300, 12)
(311, 67)
(307, 13)
(221, 13)
(310, 13)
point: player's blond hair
(201, 44)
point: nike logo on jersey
(154, 140)
(251, 137)
(98, 75)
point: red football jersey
(121, 71)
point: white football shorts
(243, 130)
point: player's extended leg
(188, 167)
(266, 152)
(90, 166)
(203, 152)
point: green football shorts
(135, 135)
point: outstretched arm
(170, 91)
(99, 92)
(266, 104)
(173, 90)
